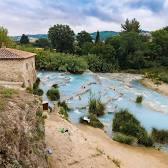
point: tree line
(131, 49)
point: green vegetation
(36, 90)
(63, 113)
(94, 121)
(4, 39)
(24, 39)
(124, 138)
(139, 99)
(53, 61)
(127, 124)
(156, 74)
(64, 105)
(130, 49)
(160, 136)
(53, 94)
(5, 93)
(96, 106)
(62, 38)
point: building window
(27, 66)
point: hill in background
(103, 35)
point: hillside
(21, 131)
(103, 35)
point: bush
(146, 140)
(38, 92)
(160, 136)
(53, 94)
(139, 99)
(55, 86)
(63, 113)
(64, 105)
(123, 138)
(94, 121)
(36, 84)
(126, 123)
(96, 107)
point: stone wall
(18, 71)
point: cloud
(36, 16)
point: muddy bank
(84, 146)
(162, 88)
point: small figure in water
(79, 98)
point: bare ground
(162, 88)
(87, 147)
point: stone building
(17, 66)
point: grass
(116, 162)
(125, 123)
(53, 94)
(96, 106)
(94, 121)
(124, 138)
(139, 99)
(63, 113)
(5, 93)
(157, 74)
(160, 136)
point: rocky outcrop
(22, 131)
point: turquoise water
(115, 93)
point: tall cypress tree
(24, 39)
(97, 37)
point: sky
(36, 16)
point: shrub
(6, 92)
(123, 138)
(55, 86)
(146, 140)
(96, 107)
(160, 136)
(36, 84)
(38, 92)
(64, 105)
(94, 121)
(139, 99)
(126, 123)
(63, 113)
(53, 94)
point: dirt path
(86, 147)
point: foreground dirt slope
(86, 147)
(22, 142)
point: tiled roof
(8, 53)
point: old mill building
(17, 66)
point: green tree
(42, 42)
(86, 48)
(4, 39)
(97, 37)
(160, 39)
(62, 38)
(131, 26)
(24, 39)
(130, 42)
(83, 37)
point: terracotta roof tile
(8, 53)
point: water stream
(116, 91)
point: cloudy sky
(36, 16)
